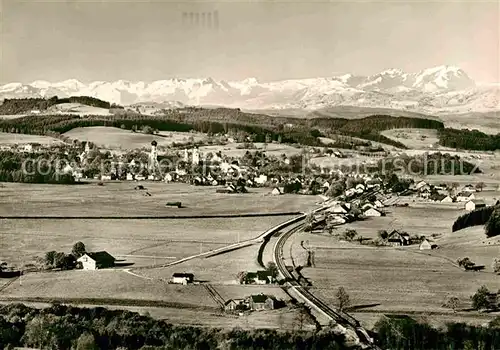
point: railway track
(341, 318)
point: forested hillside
(26, 105)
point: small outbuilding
(425, 245)
(474, 204)
(372, 212)
(182, 278)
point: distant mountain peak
(435, 90)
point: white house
(447, 199)
(106, 177)
(372, 212)
(182, 278)
(28, 148)
(96, 260)
(474, 204)
(337, 209)
(130, 177)
(168, 178)
(425, 245)
(262, 179)
(378, 204)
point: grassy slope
(113, 138)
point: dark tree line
(474, 218)
(404, 333)
(469, 139)
(67, 327)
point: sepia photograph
(250, 174)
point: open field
(404, 279)
(220, 269)
(394, 280)
(415, 138)
(106, 284)
(115, 138)
(232, 150)
(76, 108)
(120, 199)
(142, 242)
(14, 139)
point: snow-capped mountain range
(438, 90)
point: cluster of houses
(253, 303)
(444, 194)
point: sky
(269, 40)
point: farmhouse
(262, 302)
(182, 278)
(398, 238)
(474, 204)
(372, 212)
(235, 305)
(259, 277)
(96, 260)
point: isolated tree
(301, 317)
(480, 186)
(59, 260)
(272, 269)
(350, 234)
(495, 266)
(309, 221)
(383, 234)
(242, 277)
(78, 249)
(452, 303)
(480, 299)
(342, 297)
(50, 258)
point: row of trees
(63, 261)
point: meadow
(414, 138)
(121, 199)
(383, 280)
(15, 139)
(115, 138)
(116, 286)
